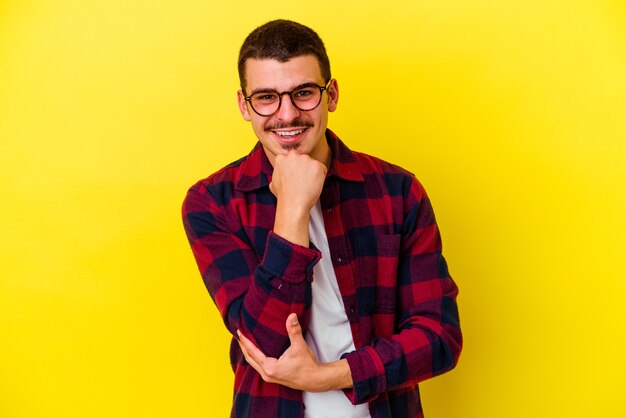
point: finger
(243, 350)
(246, 355)
(246, 345)
(252, 363)
(253, 352)
(294, 331)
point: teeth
(289, 133)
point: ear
(243, 106)
(333, 95)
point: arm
(427, 340)
(298, 367)
(254, 295)
(251, 294)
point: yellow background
(512, 114)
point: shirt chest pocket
(376, 259)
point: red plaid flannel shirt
(386, 252)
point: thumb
(293, 328)
(273, 187)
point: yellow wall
(512, 113)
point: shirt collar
(256, 170)
(343, 163)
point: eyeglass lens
(305, 98)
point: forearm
(297, 367)
(253, 291)
(292, 222)
(278, 290)
(281, 284)
(335, 375)
(275, 291)
(428, 343)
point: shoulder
(215, 190)
(228, 174)
(370, 164)
(398, 180)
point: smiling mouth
(289, 134)
(288, 130)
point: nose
(287, 111)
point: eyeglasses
(305, 97)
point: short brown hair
(282, 40)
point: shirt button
(339, 260)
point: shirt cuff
(291, 262)
(368, 375)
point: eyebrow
(268, 90)
(263, 90)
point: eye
(265, 97)
(305, 92)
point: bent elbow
(446, 352)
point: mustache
(296, 123)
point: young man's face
(289, 128)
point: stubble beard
(296, 123)
(290, 147)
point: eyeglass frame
(289, 93)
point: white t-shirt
(329, 334)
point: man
(324, 263)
